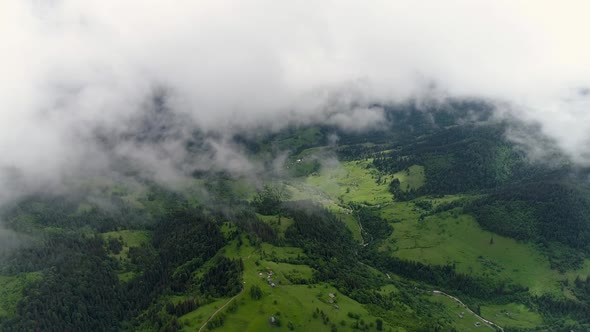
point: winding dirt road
(487, 322)
(223, 306)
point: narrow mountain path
(487, 322)
(222, 307)
(229, 301)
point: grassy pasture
(411, 178)
(130, 238)
(281, 227)
(270, 252)
(195, 319)
(459, 316)
(11, 288)
(351, 182)
(512, 315)
(296, 304)
(286, 273)
(453, 238)
(286, 302)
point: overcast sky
(69, 68)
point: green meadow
(268, 251)
(11, 290)
(130, 238)
(353, 181)
(195, 319)
(512, 315)
(445, 238)
(461, 318)
(454, 238)
(449, 237)
(299, 306)
(280, 224)
(411, 178)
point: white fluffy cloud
(69, 67)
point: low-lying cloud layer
(73, 71)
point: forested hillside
(373, 231)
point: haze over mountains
(73, 72)
(265, 165)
